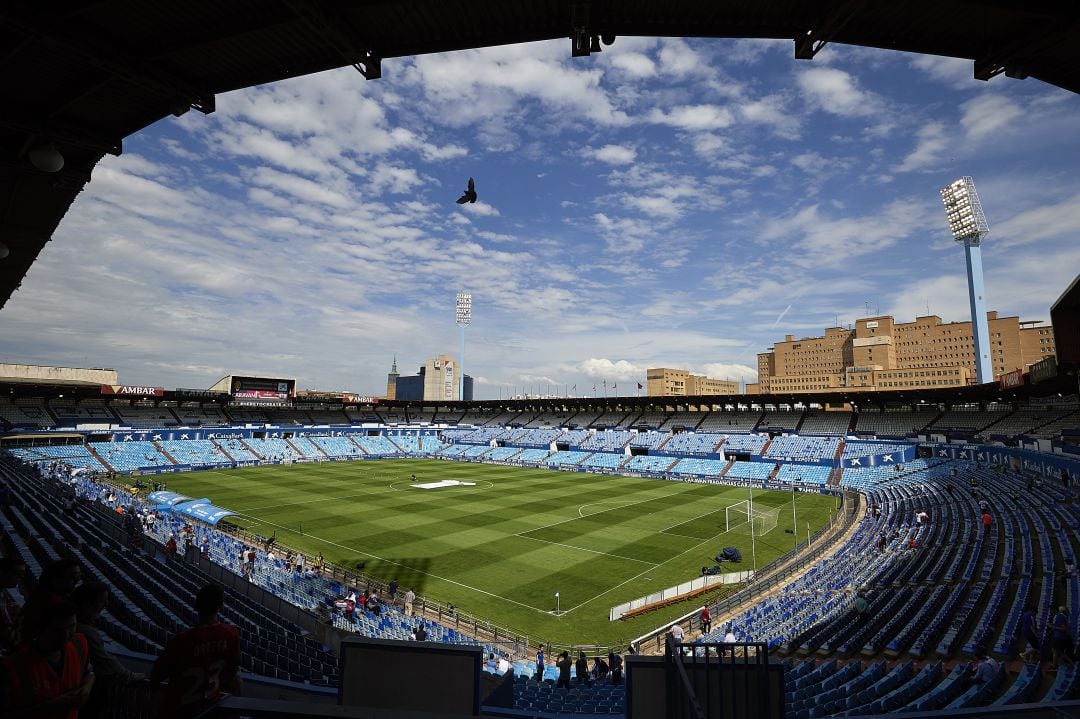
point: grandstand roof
(85, 75)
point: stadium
(910, 550)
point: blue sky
(667, 202)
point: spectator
(862, 607)
(563, 663)
(410, 598)
(615, 664)
(90, 599)
(677, 633)
(1062, 639)
(729, 636)
(540, 663)
(49, 676)
(582, 668)
(200, 662)
(492, 664)
(421, 633)
(984, 669)
(170, 548)
(55, 585)
(12, 570)
(706, 620)
(1029, 633)
(392, 589)
(600, 669)
(987, 520)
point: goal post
(741, 516)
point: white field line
(591, 551)
(413, 569)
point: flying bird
(469, 195)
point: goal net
(743, 517)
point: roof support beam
(813, 40)
(320, 18)
(116, 64)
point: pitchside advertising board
(1016, 459)
(125, 390)
(161, 435)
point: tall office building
(437, 380)
(880, 354)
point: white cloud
(837, 92)
(729, 371)
(603, 368)
(634, 64)
(930, 147)
(693, 117)
(987, 114)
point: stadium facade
(880, 354)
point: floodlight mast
(968, 226)
(463, 317)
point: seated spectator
(200, 662)
(90, 599)
(600, 669)
(50, 675)
(984, 669)
(12, 570)
(55, 585)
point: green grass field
(501, 548)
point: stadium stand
(650, 419)
(549, 419)
(649, 440)
(327, 417)
(966, 419)
(25, 415)
(907, 660)
(894, 422)
(825, 423)
(730, 422)
(687, 421)
(607, 441)
(780, 420)
(801, 449)
(745, 443)
(247, 416)
(693, 443)
(612, 420)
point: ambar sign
(132, 390)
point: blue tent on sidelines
(203, 510)
(166, 501)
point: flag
(574, 388)
(639, 386)
(594, 388)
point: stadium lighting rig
(968, 225)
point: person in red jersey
(49, 678)
(200, 662)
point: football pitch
(500, 541)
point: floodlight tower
(463, 317)
(968, 226)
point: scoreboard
(262, 390)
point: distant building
(391, 381)
(437, 380)
(880, 354)
(667, 382)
